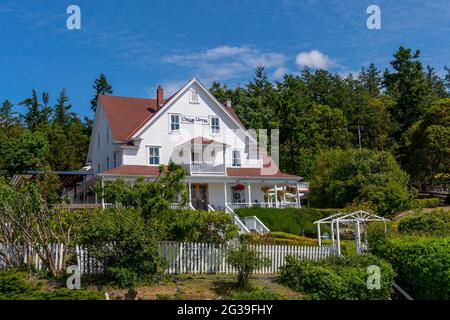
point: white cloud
(279, 72)
(226, 62)
(314, 59)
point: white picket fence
(29, 256)
(179, 257)
(191, 257)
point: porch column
(299, 205)
(190, 193)
(249, 195)
(225, 193)
(276, 196)
(103, 198)
(84, 189)
(284, 194)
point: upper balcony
(205, 168)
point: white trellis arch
(357, 217)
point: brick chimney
(159, 96)
(228, 103)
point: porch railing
(234, 205)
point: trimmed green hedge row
(337, 278)
(426, 203)
(422, 264)
(436, 222)
(291, 220)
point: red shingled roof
(126, 115)
(131, 170)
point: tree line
(403, 110)
(45, 137)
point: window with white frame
(236, 158)
(153, 155)
(193, 96)
(215, 125)
(174, 122)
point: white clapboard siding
(194, 257)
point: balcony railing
(205, 168)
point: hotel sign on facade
(195, 120)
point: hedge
(337, 278)
(426, 203)
(436, 222)
(298, 221)
(421, 263)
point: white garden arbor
(357, 218)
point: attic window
(193, 96)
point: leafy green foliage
(421, 263)
(246, 261)
(337, 278)
(436, 222)
(290, 220)
(200, 226)
(342, 177)
(18, 285)
(426, 203)
(153, 197)
(428, 145)
(124, 243)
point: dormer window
(193, 96)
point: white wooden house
(131, 137)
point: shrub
(124, 243)
(426, 203)
(281, 238)
(342, 177)
(201, 226)
(436, 222)
(246, 261)
(256, 295)
(337, 278)
(422, 264)
(291, 220)
(18, 285)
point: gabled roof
(126, 115)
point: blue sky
(140, 44)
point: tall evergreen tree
(62, 116)
(436, 85)
(7, 116)
(371, 80)
(407, 84)
(37, 115)
(101, 86)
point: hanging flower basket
(239, 186)
(290, 189)
(265, 189)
